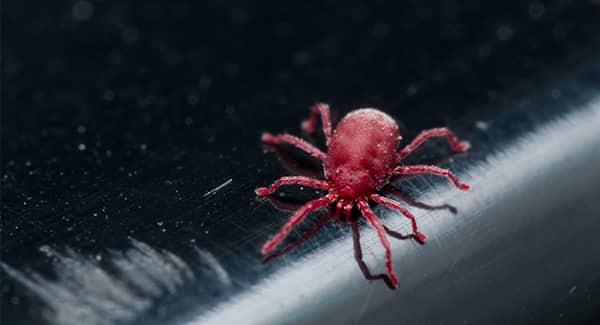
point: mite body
(361, 154)
(361, 159)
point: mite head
(351, 183)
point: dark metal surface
(130, 151)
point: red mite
(361, 159)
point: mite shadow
(296, 163)
(306, 166)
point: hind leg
(366, 211)
(391, 204)
(268, 138)
(295, 219)
(310, 124)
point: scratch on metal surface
(218, 188)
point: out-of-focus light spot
(82, 10)
(412, 90)
(173, 58)
(81, 147)
(381, 30)
(505, 32)
(115, 57)
(560, 31)
(556, 93)
(484, 51)
(536, 10)
(108, 95)
(130, 35)
(231, 70)
(205, 82)
(482, 125)
(301, 58)
(193, 99)
(283, 29)
(239, 15)
(359, 13)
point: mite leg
(457, 146)
(294, 141)
(391, 204)
(338, 209)
(396, 234)
(310, 124)
(433, 170)
(418, 204)
(348, 211)
(306, 236)
(358, 257)
(295, 219)
(292, 180)
(363, 206)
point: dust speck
(482, 125)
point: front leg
(457, 146)
(433, 170)
(293, 180)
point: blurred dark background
(119, 117)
